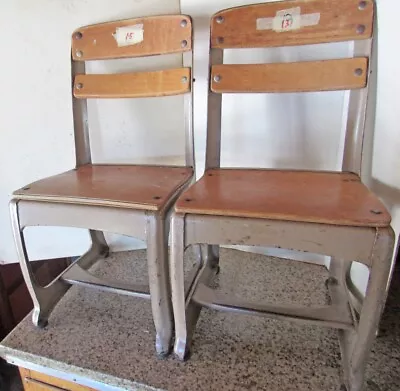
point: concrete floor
(110, 337)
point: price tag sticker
(129, 35)
(288, 20)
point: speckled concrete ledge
(109, 338)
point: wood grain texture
(134, 187)
(299, 196)
(340, 20)
(327, 75)
(133, 85)
(42, 382)
(161, 35)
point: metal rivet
(156, 198)
(79, 54)
(184, 43)
(79, 86)
(183, 23)
(376, 212)
(78, 35)
(184, 79)
(362, 5)
(360, 29)
(358, 72)
(220, 39)
(220, 19)
(217, 78)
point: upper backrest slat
(297, 22)
(133, 38)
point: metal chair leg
(99, 241)
(44, 298)
(157, 260)
(181, 347)
(211, 256)
(356, 346)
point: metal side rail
(76, 275)
(336, 316)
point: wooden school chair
(131, 200)
(332, 213)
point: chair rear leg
(99, 243)
(211, 256)
(44, 298)
(356, 346)
(157, 260)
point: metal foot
(163, 346)
(41, 323)
(181, 350)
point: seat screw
(376, 211)
(79, 86)
(78, 35)
(183, 23)
(220, 39)
(184, 79)
(79, 54)
(184, 43)
(220, 19)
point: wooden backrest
(297, 22)
(133, 38)
(289, 23)
(130, 38)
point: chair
(132, 200)
(332, 213)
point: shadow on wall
(390, 194)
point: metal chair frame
(150, 226)
(356, 320)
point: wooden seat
(303, 196)
(135, 187)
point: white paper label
(129, 35)
(288, 20)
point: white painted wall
(36, 136)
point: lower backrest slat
(327, 75)
(133, 85)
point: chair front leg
(44, 298)
(157, 260)
(358, 344)
(177, 285)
